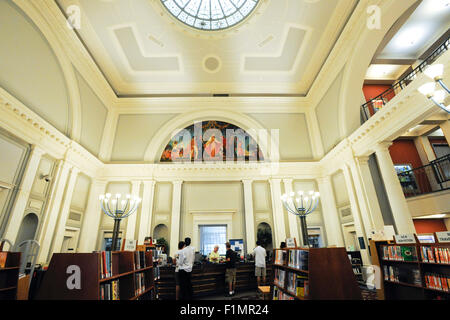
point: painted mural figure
(212, 141)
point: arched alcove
(161, 231)
(265, 236)
(28, 228)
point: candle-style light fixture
(435, 72)
(301, 206)
(118, 210)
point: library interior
(225, 150)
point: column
(330, 212)
(64, 213)
(53, 208)
(367, 196)
(397, 201)
(424, 149)
(130, 232)
(175, 221)
(92, 217)
(277, 211)
(23, 194)
(293, 226)
(359, 228)
(445, 127)
(146, 210)
(249, 216)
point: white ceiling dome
(210, 14)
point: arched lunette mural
(212, 141)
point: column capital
(99, 182)
(362, 159)
(288, 180)
(324, 179)
(36, 150)
(177, 182)
(274, 180)
(75, 171)
(247, 182)
(383, 146)
(148, 182)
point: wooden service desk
(209, 279)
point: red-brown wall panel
(429, 225)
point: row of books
(106, 264)
(280, 257)
(435, 255)
(437, 282)
(280, 295)
(400, 274)
(139, 283)
(279, 277)
(298, 259)
(110, 290)
(399, 253)
(297, 284)
(139, 260)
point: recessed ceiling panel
(142, 50)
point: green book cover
(407, 253)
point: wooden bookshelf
(325, 266)
(9, 276)
(123, 270)
(405, 288)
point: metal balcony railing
(433, 177)
(372, 106)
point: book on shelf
(139, 260)
(110, 290)
(280, 257)
(297, 284)
(399, 253)
(139, 279)
(402, 274)
(279, 277)
(105, 264)
(437, 282)
(435, 255)
(298, 259)
(3, 256)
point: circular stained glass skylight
(210, 14)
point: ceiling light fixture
(435, 72)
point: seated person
(214, 255)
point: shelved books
(110, 291)
(435, 255)
(279, 277)
(400, 274)
(399, 253)
(280, 295)
(437, 282)
(280, 257)
(139, 260)
(297, 284)
(298, 259)
(139, 283)
(106, 264)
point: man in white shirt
(186, 263)
(260, 262)
(184, 273)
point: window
(210, 14)
(212, 235)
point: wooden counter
(209, 279)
